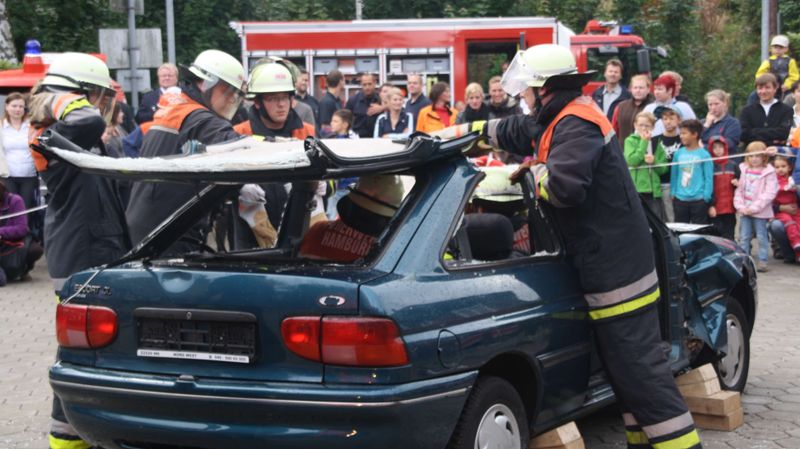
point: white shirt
(18, 154)
(609, 96)
(767, 106)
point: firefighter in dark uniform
(582, 173)
(85, 221)
(211, 93)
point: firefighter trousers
(628, 338)
(62, 435)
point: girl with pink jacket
(758, 185)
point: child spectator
(780, 63)
(726, 175)
(341, 121)
(692, 178)
(755, 192)
(17, 253)
(670, 140)
(786, 202)
(340, 129)
(641, 153)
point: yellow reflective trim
(543, 193)
(77, 104)
(686, 441)
(58, 443)
(257, 137)
(636, 437)
(625, 307)
(478, 125)
(448, 256)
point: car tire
(493, 417)
(733, 369)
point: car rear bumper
(115, 409)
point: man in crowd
(211, 93)
(167, 77)
(366, 105)
(769, 120)
(416, 98)
(500, 104)
(664, 88)
(610, 94)
(331, 101)
(301, 93)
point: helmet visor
(105, 100)
(223, 98)
(515, 79)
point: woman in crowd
(22, 179)
(718, 122)
(476, 109)
(395, 123)
(439, 114)
(17, 253)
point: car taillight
(80, 326)
(351, 341)
(301, 336)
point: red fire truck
(458, 51)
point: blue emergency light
(33, 47)
(626, 29)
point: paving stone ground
(771, 400)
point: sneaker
(762, 267)
(3, 279)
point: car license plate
(196, 335)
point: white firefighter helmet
(546, 65)
(380, 194)
(215, 65)
(269, 78)
(79, 71)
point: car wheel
(732, 369)
(493, 418)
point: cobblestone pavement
(771, 400)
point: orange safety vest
(172, 110)
(589, 112)
(59, 108)
(246, 129)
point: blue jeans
(746, 226)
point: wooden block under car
(726, 422)
(719, 404)
(564, 437)
(697, 375)
(699, 382)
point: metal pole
(133, 50)
(359, 7)
(764, 28)
(170, 32)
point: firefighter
(581, 172)
(85, 221)
(211, 93)
(271, 87)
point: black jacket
(772, 129)
(152, 203)
(597, 96)
(84, 224)
(148, 105)
(597, 211)
(327, 106)
(363, 124)
(508, 107)
(311, 101)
